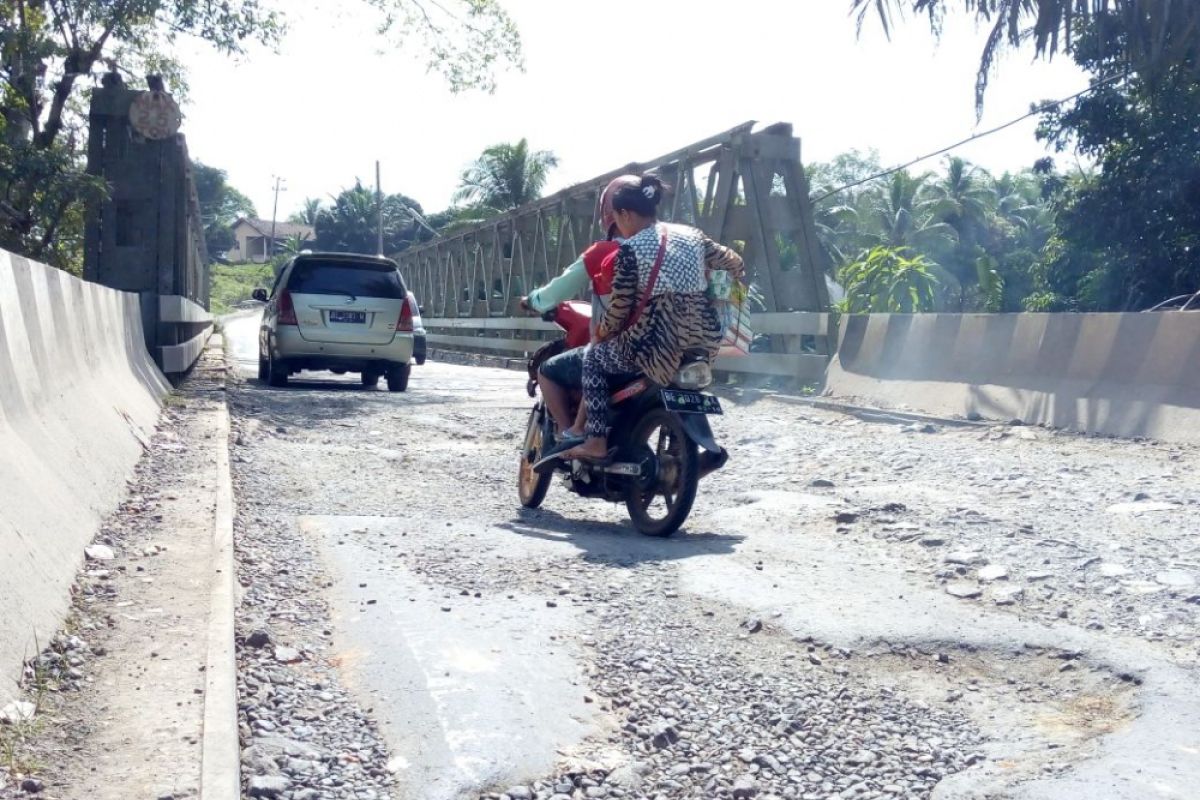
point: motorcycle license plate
(690, 402)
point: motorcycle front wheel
(532, 487)
(662, 507)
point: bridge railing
(802, 340)
(744, 187)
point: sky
(605, 84)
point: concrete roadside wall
(1134, 374)
(78, 397)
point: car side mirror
(260, 295)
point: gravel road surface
(854, 610)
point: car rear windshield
(358, 278)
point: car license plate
(690, 402)
(348, 316)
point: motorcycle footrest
(628, 469)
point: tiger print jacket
(679, 316)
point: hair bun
(638, 193)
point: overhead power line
(973, 138)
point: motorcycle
(660, 437)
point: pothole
(1039, 708)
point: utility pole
(379, 209)
(274, 213)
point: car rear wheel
(262, 368)
(370, 378)
(397, 377)
(277, 374)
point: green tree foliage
(293, 245)
(350, 223)
(907, 213)
(982, 237)
(458, 217)
(1156, 36)
(505, 177)
(837, 220)
(220, 206)
(307, 215)
(52, 50)
(889, 280)
(42, 198)
(846, 168)
(466, 41)
(1128, 235)
(234, 283)
(1124, 236)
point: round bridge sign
(155, 115)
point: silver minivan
(339, 312)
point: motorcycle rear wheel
(678, 475)
(532, 487)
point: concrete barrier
(79, 395)
(193, 327)
(1134, 374)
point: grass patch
(15, 746)
(233, 283)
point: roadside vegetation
(1110, 221)
(233, 283)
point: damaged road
(853, 611)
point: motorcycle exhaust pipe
(711, 462)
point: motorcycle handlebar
(546, 316)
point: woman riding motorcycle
(659, 308)
(563, 373)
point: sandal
(553, 454)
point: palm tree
(1149, 35)
(307, 215)
(903, 213)
(350, 223)
(456, 218)
(293, 245)
(506, 176)
(965, 199)
(837, 232)
(1026, 208)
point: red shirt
(599, 261)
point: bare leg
(580, 421)
(595, 398)
(557, 401)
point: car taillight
(405, 324)
(287, 311)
